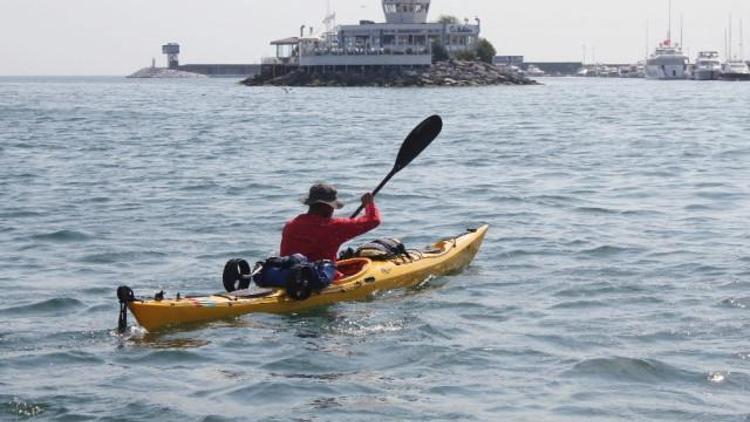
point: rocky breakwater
(449, 73)
(163, 73)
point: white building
(404, 39)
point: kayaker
(317, 234)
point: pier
(222, 70)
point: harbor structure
(405, 39)
(508, 60)
(172, 51)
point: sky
(118, 37)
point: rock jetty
(448, 73)
(163, 73)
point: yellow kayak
(363, 277)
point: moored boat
(534, 71)
(362, 278)
(707, 66)
(667, 63)
(735, 70)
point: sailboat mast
(647, 39)
(682, 30)
(584, 55)
(726, 44)
(669, 31)
(730, 37)
(742, 43)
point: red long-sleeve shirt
(319, 238)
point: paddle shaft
(375, 192)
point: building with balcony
(405, 39)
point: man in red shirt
(317, 235)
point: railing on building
(399, 51)
(282, 61)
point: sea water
(614, 283)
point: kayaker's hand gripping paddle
(419, 139)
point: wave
(551, 199)
(41, 360)
(49, 306)
(600, 289)
(169, 357)
(698, 207)
(119, 257)
(200, 187)
(99, 199)
(515, 253)
(21, 214)
(63, 236)
(620, 369)
(596, 210)
(580, 304)
(607, 250)
(651, 371)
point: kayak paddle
(419, 139)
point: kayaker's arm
(349, 228)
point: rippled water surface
(614, 284)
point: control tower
(406, 11)
(172, 50)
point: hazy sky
(116, 37)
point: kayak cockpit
(351, 269)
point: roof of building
(286, 41)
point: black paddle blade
(419, 139)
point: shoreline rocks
(164, 73)
(450, 73)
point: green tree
(439, 53)
(466, 55)
(485, 51)
(448, 19)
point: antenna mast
(330, 19)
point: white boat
(667, 62)
(735, 70)
(535, 72)
(707, 66)
(582, 72)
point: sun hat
(323, 193)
